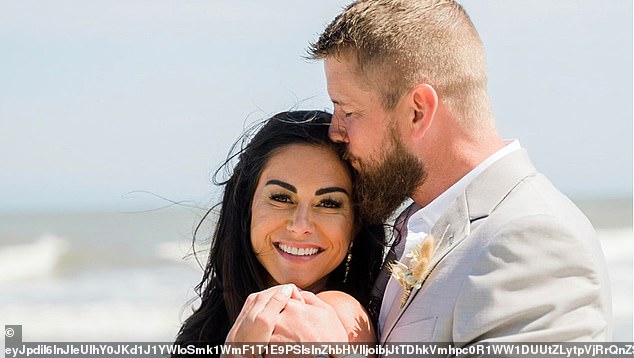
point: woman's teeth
(298, 251)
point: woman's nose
(337, 130)
(301, 222)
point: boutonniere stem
(410, 275)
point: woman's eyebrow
(331, 189)
(322, 191)
(284, 185)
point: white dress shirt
(422, 221)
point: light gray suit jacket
(519, 263)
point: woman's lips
(296, 252)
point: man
(512, 258)
(490, 250)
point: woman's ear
(424, 102)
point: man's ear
(424, 101)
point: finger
(268, 304)
(269, 301)
(287, 322)
(254, 304)
(312, 299)
(265, 319)
(256, 322)
(254, 301)
(297, 294)
(278, 300)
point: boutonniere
(410, 276)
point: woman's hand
(313, 320)
(328, 317)
(283, 314)
(260, 313)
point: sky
(103, 102)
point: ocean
(99, 276)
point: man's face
(359, 119)
(388, 173)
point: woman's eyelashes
(331, 203)
(281, 198)
(327, 202)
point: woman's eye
(331, 204)
(281, 198)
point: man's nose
(301, 221)
(337, 130)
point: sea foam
(36, 259)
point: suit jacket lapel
(450, 230)
(477, 202)
(490, 188)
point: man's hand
(310, 321)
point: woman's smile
(302, 220)
(294, 251)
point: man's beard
(383, 186)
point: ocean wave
(51, 256)
(181, 252)
(37, 259)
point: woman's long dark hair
(233, 271)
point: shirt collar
(424, 219)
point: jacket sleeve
(535, 280)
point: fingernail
(287, 290)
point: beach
(127, 276)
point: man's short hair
(400, 43)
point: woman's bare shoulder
(352, 315)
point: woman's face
(302, 217)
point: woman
(287, 216)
